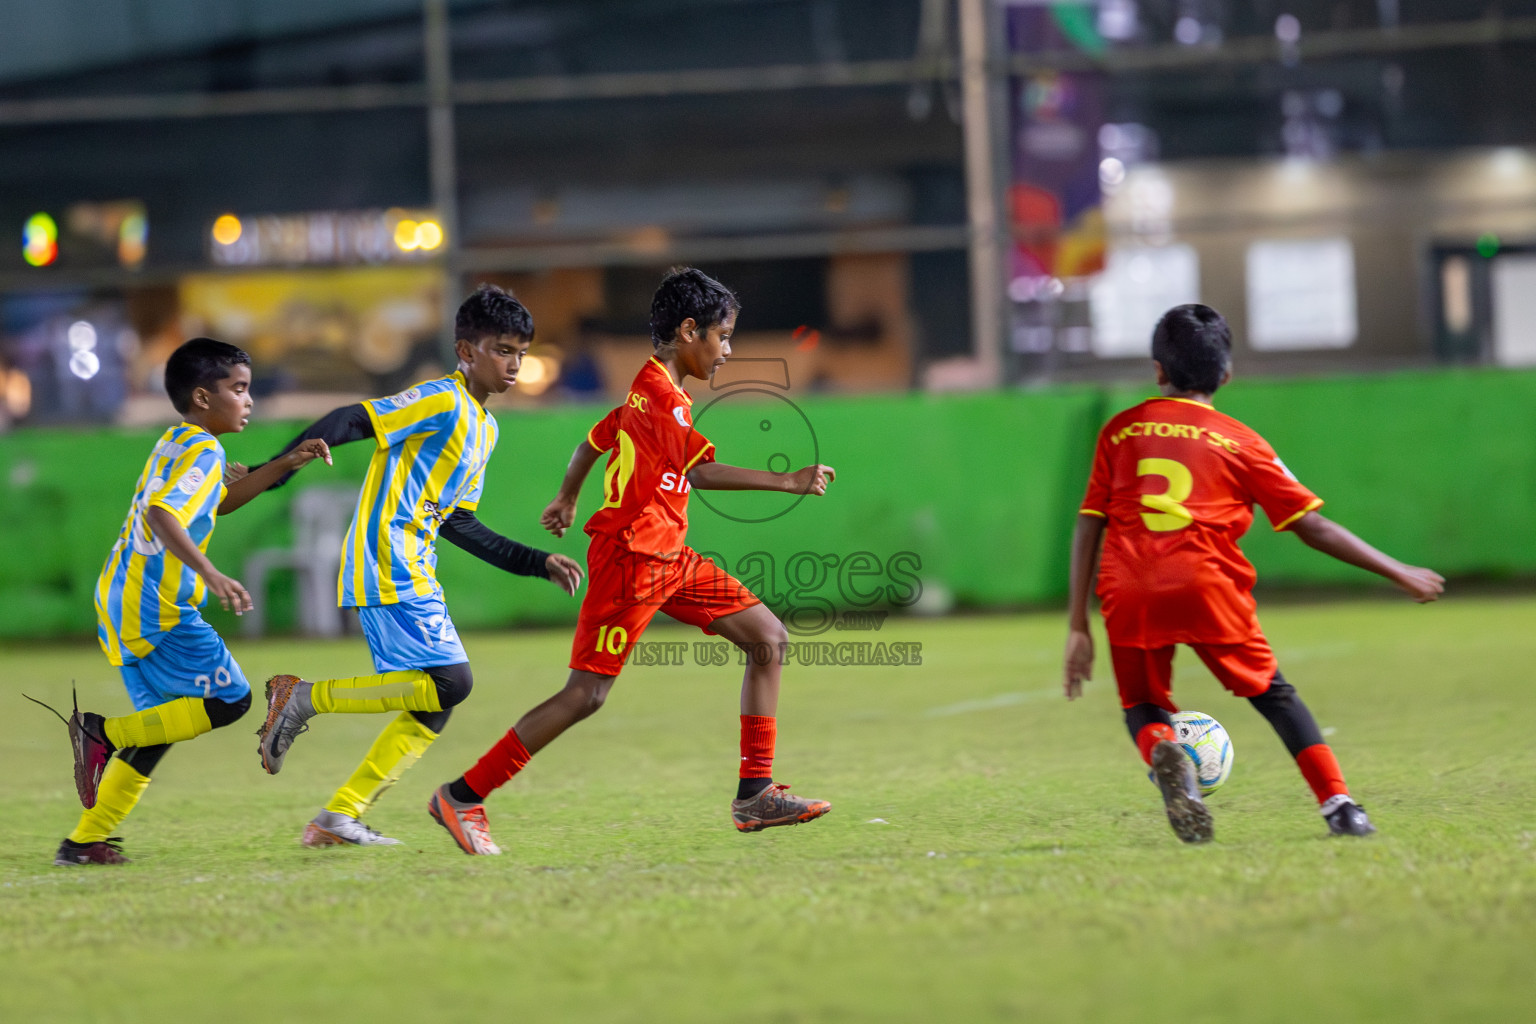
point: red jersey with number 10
(1177, 482)
(654, 445)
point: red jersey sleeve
(1096, 501)
(1275, 488)
(605, 432)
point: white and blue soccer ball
(1208, 745)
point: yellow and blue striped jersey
(433, 443)
(144, 590)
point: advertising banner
(1054, 198)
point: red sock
(757, 735)
(498, 765)
(1322, 772)
(1151, 735)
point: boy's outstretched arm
(1085, 564)
(715, 476)
(342, 425)
(561, 513)
(463, 529)
(270, 474)
(230, 592)
(1330, 538)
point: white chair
(321, 516)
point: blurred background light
(429, 235)
(82, 337)
(16, 393)
(537, 374)
(40, 240)
(1111, 172)
(227, 229)
(84, 365)
(1118, 19)
(406, 237)
(132, 239)
(1509, 162)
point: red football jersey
(1177, 481)
(654, 445)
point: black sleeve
(339, 426)
(463, 530)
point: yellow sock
(412, 690)
(120, 788)
(171, 722)
(399, 746)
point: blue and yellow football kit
(433, 443)
(147, 599)
(181, 678)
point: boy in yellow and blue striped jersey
(432, 443)
(179, 675)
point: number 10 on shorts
(611, 639)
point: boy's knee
(765, 645)
(774, 631)
(221, 713)
(589, 693)
(453, 684)
(433, 721)
(777, 636)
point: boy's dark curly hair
(200, 363)
(688, 292)
(491, 313)
(1194, 345)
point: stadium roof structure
(203, 106)
(63, 37)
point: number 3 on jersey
(1170, 515)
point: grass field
(993, 853)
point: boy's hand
(559, 516)
(234, 471)
(1423, 585)
(1079, 662)
(230, 592)
(307, 452)
(564, 572)
(811, 479)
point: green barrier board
(971, 497)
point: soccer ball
(1208, 745)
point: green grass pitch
(993, 853)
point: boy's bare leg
(759, 633)
(583, 693)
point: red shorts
(625, 590)
(1145, 675)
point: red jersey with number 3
(654, 445)
(1177, 482)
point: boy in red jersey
(638, 565)
(1172, 490)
